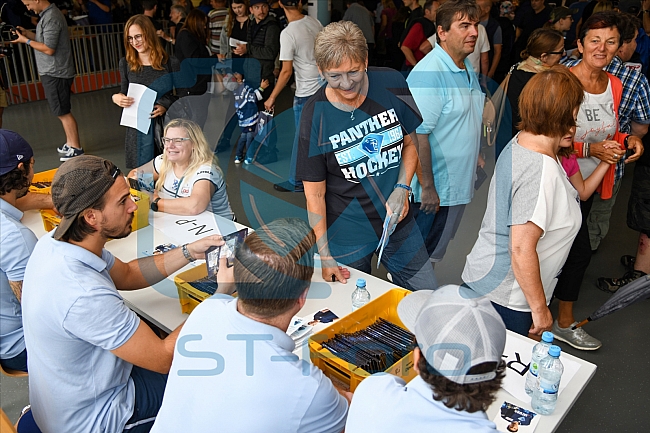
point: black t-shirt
(359, 159)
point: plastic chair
(5, 425)
(12, 373)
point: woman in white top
(533, 211)
(187, 175)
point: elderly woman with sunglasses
(356, 158)
(187, 174)
(146, 63)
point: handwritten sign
(517, 355)
(184, 229)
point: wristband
(261, 89)
(585, 150)
(401, 185)
(187, 254)
(29, 42)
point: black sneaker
(71, 153)
(611, 285)
(287, 186)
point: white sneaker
(63, 149)
(71, 153)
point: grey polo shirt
(52, 30)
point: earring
(366, 69)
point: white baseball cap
(455, 331)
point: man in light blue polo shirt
(93, 365)
(233, 369)
(458, 360)
(16, 245)
(448, 94)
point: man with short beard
(94, 365)
(17, 243)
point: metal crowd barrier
(96, 50)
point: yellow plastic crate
(342, 373)
(140, 216)
(44, 176)
(188, 296)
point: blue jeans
(298, 104)
(516, 321)
(245, 140)
(405, 257)
(18, 362)
(149, 390)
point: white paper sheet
(234, 42)
(177, 227)
(517, 355)
(138, 115)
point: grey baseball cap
(78, 184)
(455, 331)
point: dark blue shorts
(149, 390)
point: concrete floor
(615, 400)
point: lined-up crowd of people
(394, 111)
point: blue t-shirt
(384, 403)
(16, 243)
(73, 318)
(98, 16)
(233, 374)
(359, 158)
(451, 102)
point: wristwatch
(186, 253)
(154, 205)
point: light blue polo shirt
(383, 403)
(16, 245)
(451, 102)
(74, 317)
(234, 374)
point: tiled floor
(615, 400)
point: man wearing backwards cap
(458, 359)
(16, 244)
(93, 365)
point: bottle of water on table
(360, 296)
(549, 376)
(540, 351)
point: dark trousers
(573, 271)
(149, 390)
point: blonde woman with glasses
(187, 174)
(146, 63)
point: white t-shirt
(233, 374)
(175, 187)
(596, 123)
(526, 186)
(297, 45)
(482, 46)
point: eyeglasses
(136, 38)
(177, 141)
(559, 53)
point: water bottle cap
(361, 282)
(547, 337)
(554, 351)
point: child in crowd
(247, 112)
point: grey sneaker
(577, 338)
(71, 153)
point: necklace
(356, 103)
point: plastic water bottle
(360, 296)
(540, 350)
(550, 374)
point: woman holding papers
(146, 63)
(187, 175)
(236, 28)
(356, 158)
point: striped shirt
(217, 19)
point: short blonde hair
(201, 153)
(338, 42)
